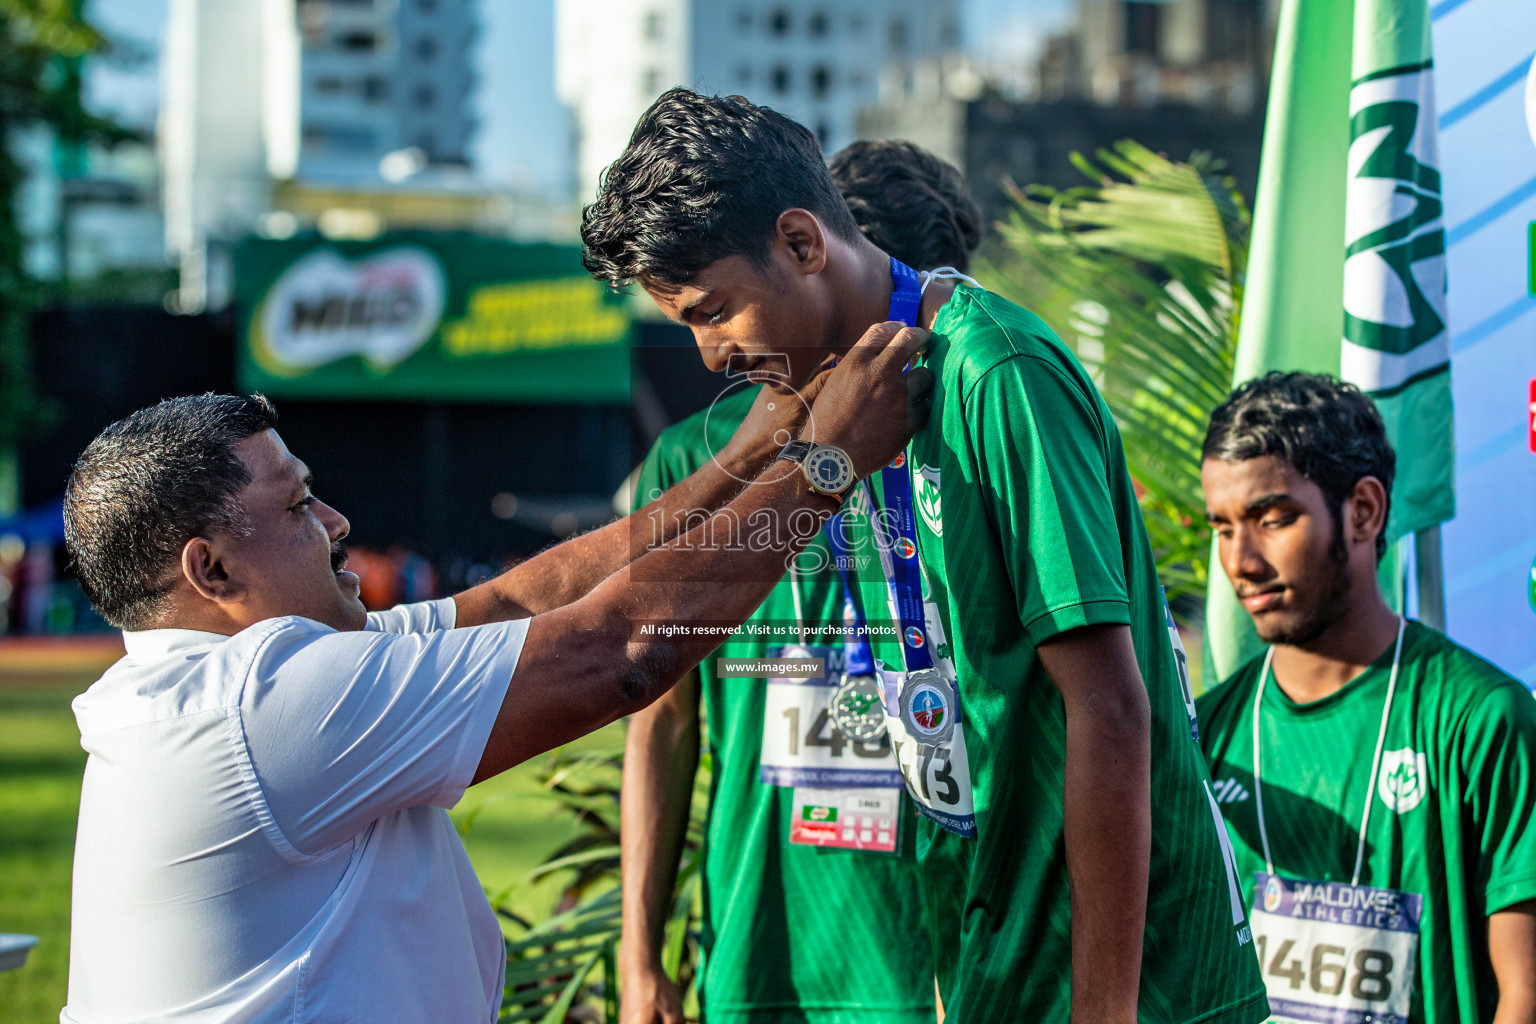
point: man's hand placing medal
(868, 384)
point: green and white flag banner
(1396, 344)
(1394, 258)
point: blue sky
(524, 136)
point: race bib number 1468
(1335, 953)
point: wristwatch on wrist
(827, 468)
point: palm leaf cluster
(1141, 272)
(564, 969)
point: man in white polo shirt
(263, 833)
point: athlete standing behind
(792, 932)
(1428, 913)
(1085, 874)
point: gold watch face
(828, 469)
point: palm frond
(548, 967)
(1141, 272)
(562, 969)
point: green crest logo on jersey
(928, 502)
(1404, 780)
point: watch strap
(796, 451)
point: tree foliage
(41, 45)
(1141, 271)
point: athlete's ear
(1367, 510)
(799, 233)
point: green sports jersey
(1027, 527)
(1453, 806)
(792, 933)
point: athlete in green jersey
(1297, 474)
(792, 932)
(1095, 882)
(1028, 529)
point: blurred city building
(1177, 76)
(375, 77)
(89, 215)
(351, 117)
(818, 61)
(1206, 53)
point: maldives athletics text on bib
(1333, 952)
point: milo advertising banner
(427, 316)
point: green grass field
(40, 767)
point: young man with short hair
(1387, 814)
(1083, 872)
(798, 915)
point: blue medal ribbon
(906, 293)
(898, 553)
(857, 658)
(896, 540)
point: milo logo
(324, 307)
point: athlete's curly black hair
(908, 202)
(703, 178)
(1326, 428)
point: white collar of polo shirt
(159, 642)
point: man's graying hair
(148, 484)
(1327, 429)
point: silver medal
(928, 707)
(855, 709)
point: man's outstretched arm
(1107, 810)
(585, 664)
(569, 570)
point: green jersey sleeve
(648, 481)
(661, 469)
(1498, 755)
(1043, 472)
